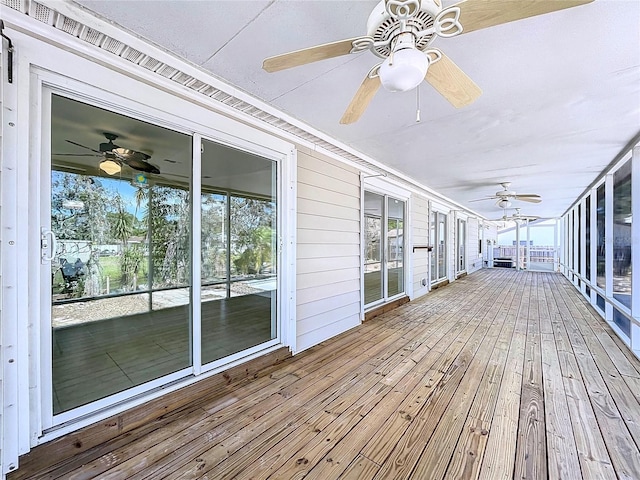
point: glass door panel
(395, 247)
(442, 246)
(373, 281)
(384, 247)
(438, 237)
(462, 240)
(120, 276)
(434, 242)
(239, 251)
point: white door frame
(43, 83)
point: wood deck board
(617, 419)
(501, 374)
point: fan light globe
(405, 71)
(110, 167)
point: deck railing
(542, 257)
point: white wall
(420, 237)
(328, 250)
(474, 257)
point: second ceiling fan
(115, 156)
(401, 32)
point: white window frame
(448, 244)
(386, 189)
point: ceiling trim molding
(86, 26)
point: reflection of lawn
(110, 267)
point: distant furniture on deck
(504, 262)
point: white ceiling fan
(401, 32)
(516, 216)
(505, 196)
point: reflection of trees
(214, 248)
(168, 213)
(79, 211)
(79, 208)
(157, 236)
(252, 234)
(372, 238)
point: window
(587, 243)
(462, 240)
(600, 228)
(439, 242)
(384, 247)
(579, 239)
(622, 219)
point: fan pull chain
(418, 104)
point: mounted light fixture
(406, 67)
(503, 203)
(110, 167)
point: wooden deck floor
(501, 374)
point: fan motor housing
(383, 28)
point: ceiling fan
(514, 217)
(401, 32)
(115, 156)
(505, 196)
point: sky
(540, 235)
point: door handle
(44, 244)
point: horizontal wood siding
(420, 237)
(474, 258)
(328, 249)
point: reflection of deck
(373, 284)
(104, 357)
(501, 374)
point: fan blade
(83, 146)
(452, 83)
(141, 165)
(529, 198)
(482, 199)
(361, 99)
(478, 14)
(309, 55)
(127, 154)
(75, 155)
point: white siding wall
(420, 237)
(474, 258)
(328, 248)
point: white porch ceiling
(561, 92)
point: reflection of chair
(71, 273)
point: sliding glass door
(118, 256)
(384, 248)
